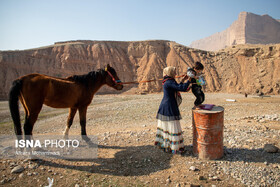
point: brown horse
(74, 92)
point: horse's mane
(84, 79)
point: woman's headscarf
(169, 71)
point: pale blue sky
(34, 23)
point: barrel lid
(215, 109)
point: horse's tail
(14, 107)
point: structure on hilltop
(248, 29)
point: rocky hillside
(239, 69)
(248, 29)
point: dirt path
(125, 126)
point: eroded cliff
(238, 69)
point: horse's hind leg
(33, 109)
(30, 121)
(28, 126)
(70, 119)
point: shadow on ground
(129, 161)
(147, 159)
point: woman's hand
(186, 77)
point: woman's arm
(182, 87)
(186, 77)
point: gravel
(251, 141)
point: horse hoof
(87, 139)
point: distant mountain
(248, 29)
(248, 69)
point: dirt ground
(125, 126)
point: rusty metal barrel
(208, 128)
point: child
(196, 88)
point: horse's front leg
(83, 114)
(70, 119)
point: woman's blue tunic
(168, 109)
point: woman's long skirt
(169, 136)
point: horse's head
(112, 78)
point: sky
(26, 24)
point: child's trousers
(197, 91)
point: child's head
(198, 67)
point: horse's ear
(107, 67)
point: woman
(169, 133)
